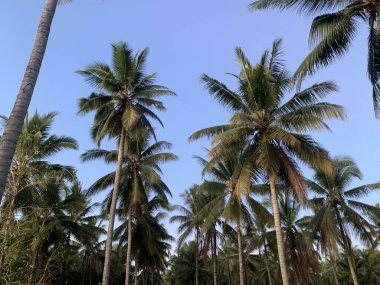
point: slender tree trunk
(129, 247)
(334, 271)
(108, 249)
(34, 265)
(347, 248)
(266, 263)
(215, 258)
(197, 257)
(136, 271)
(16, 119)
(240, 253)
(277, 225)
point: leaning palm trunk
(347, 249)
(16, 119)
(129, 248)
(240, 253)
(277, 225)
(108, 249)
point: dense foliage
(254, 219)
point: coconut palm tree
(122, 107)
(13, 128)
(333, 31)
(224, 202)
(140, 177)
(151, 251)
(190, 222)
(335, 203)
(30, 165)
(272, 131)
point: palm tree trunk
(16, 119)
(277, 226)
(334, 272)
(266, 263)
(129, 247)
(214, 258)
(347, 248)
(136, 271)
(197, 257)
(240, 253)
(108, 249)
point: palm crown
(126, 93)
(270, 132)
(331, 34)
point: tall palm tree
(122, 106)
(140, 177)
(335, 203)
(272, 131)
(333, 31)
(13, 128)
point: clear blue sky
(186, 38)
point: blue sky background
(186, 38)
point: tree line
(246, 216)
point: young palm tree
(140, 171)
(13, 129)
(335, 204)
(190, 222)
(272, 131)
(152, 249)
(333, 31)
(30, 165)
(225, 202)
(122, 107)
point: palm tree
(30, 165)
(335, 204)
(123, 106)
(272, 132)
(151, 251)
(190, 221)
(13, 128)
(225, 202)
(140, 177)
(333, 31)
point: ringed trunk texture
(240, 249)
(108, 249)
(347, 248)
(277, 225)
(16, 119)
(129, 248)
